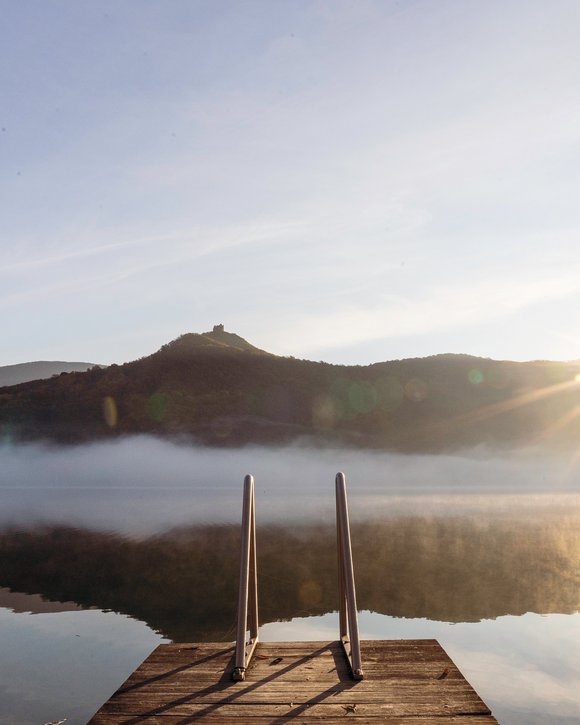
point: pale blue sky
(350, 180)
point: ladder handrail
(248, 591)
(348, 618)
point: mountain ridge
(39, 370)
(216, 388)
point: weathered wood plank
(366, 691)
(408, 682)
(242, 719)
(298, 670)
(430, 671)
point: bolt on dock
(402, 682)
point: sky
(339, 180)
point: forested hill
(218, 389)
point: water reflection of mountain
(33, 603)
(184, 583)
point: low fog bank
(146, 484)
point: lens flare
(310, 593)
(6, 434)
(110, 411)
(475, 376)
(416, 390)
(362, 397)
(323, 413)
(157, 406)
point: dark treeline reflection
(184, 583)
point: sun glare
(489, 411)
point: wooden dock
(406, 682)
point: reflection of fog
(184, 583)
(141, 484)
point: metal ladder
(248, 591)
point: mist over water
(144, 485)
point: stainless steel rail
(348, 619)
(248, 593)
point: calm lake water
(109, 549)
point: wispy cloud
(77, 253)
(118, 262)
(454, 305)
